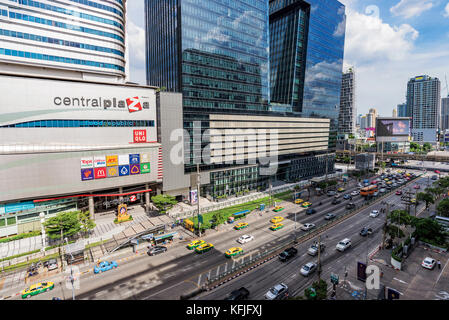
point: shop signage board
(144, 168)
(99, 161)
(87, 163)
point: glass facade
(324, 55)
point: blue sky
(387, 41)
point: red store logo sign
(140, 136)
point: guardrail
(271, 253)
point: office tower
(346, 119)
(217, 55)
(444, 114)
(423, 99)
(402, 110)
(79, 40)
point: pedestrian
(439, 264)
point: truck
(239, 294)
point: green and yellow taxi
(306, 204)
(276, 226)
(195, 243)
(299, 201)
(413, 200)
(278, 208)
(235, 251)
(204, 248)
(37, 288)
(276, 219)
(240, 225)
(341, 189)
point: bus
(368, 191)
(444, 221)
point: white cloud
(136, 41)
(446, 11)
(411, 8)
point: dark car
(366, 231)
(310, 211)
(434, 177)
(347, 196)
(287, 254)
(239, 294)
(331, 193)
(336, 201)
(156, 250)
(350, 206)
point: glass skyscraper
(306, 60)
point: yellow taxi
(240, 225)
(276, 226)
(37, 288)
(278, 208)
(195, 243)
(341, 189)
(233, 252)
(204, 248)
(276, 219)
(413, 200)
(299, 201)
(306, 204)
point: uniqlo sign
(140, 136)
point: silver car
(279, 291)
(52, 264)
(308, 269)
(308, 226)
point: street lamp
(72, 280)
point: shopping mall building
(69, 145)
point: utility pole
(295, 226)
(319, 258)
(271, 197)
(72, 280)
(198, 185)
(385, 225)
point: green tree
(427, 147)
(431, 231)
(86, 222)
(63, 225)
(218, 218)
(443, 208)
(319, 291)
(163, 202)
(426, 197)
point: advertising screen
(391, 128)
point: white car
(307, 269)
(374, 213)
(308, 226)
(245, 238)
(343, 244)
(355, 193)
(383, 190)
(279, 291)
(428, 263)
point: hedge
(21, 236)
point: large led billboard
(393, 129)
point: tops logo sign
(133, 104)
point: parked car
(329, 216)
(287, 254)
(428, 263)
(156, 250)
(278, 292)
(308, 269)
(239, 294)
(245, 238)
(313, 250)
(310, 211)
(308, 226)
(343, 244)
(374, 213)
(366, 231)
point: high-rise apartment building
(423, 99)
(217, 53)
(348, 110)
(402, 110)
(80, 40)
(444, 114)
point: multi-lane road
(169, 275)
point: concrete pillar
(120, 190)
(147, 198)
(91, 208)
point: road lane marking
(199, 280)
(401, 281)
